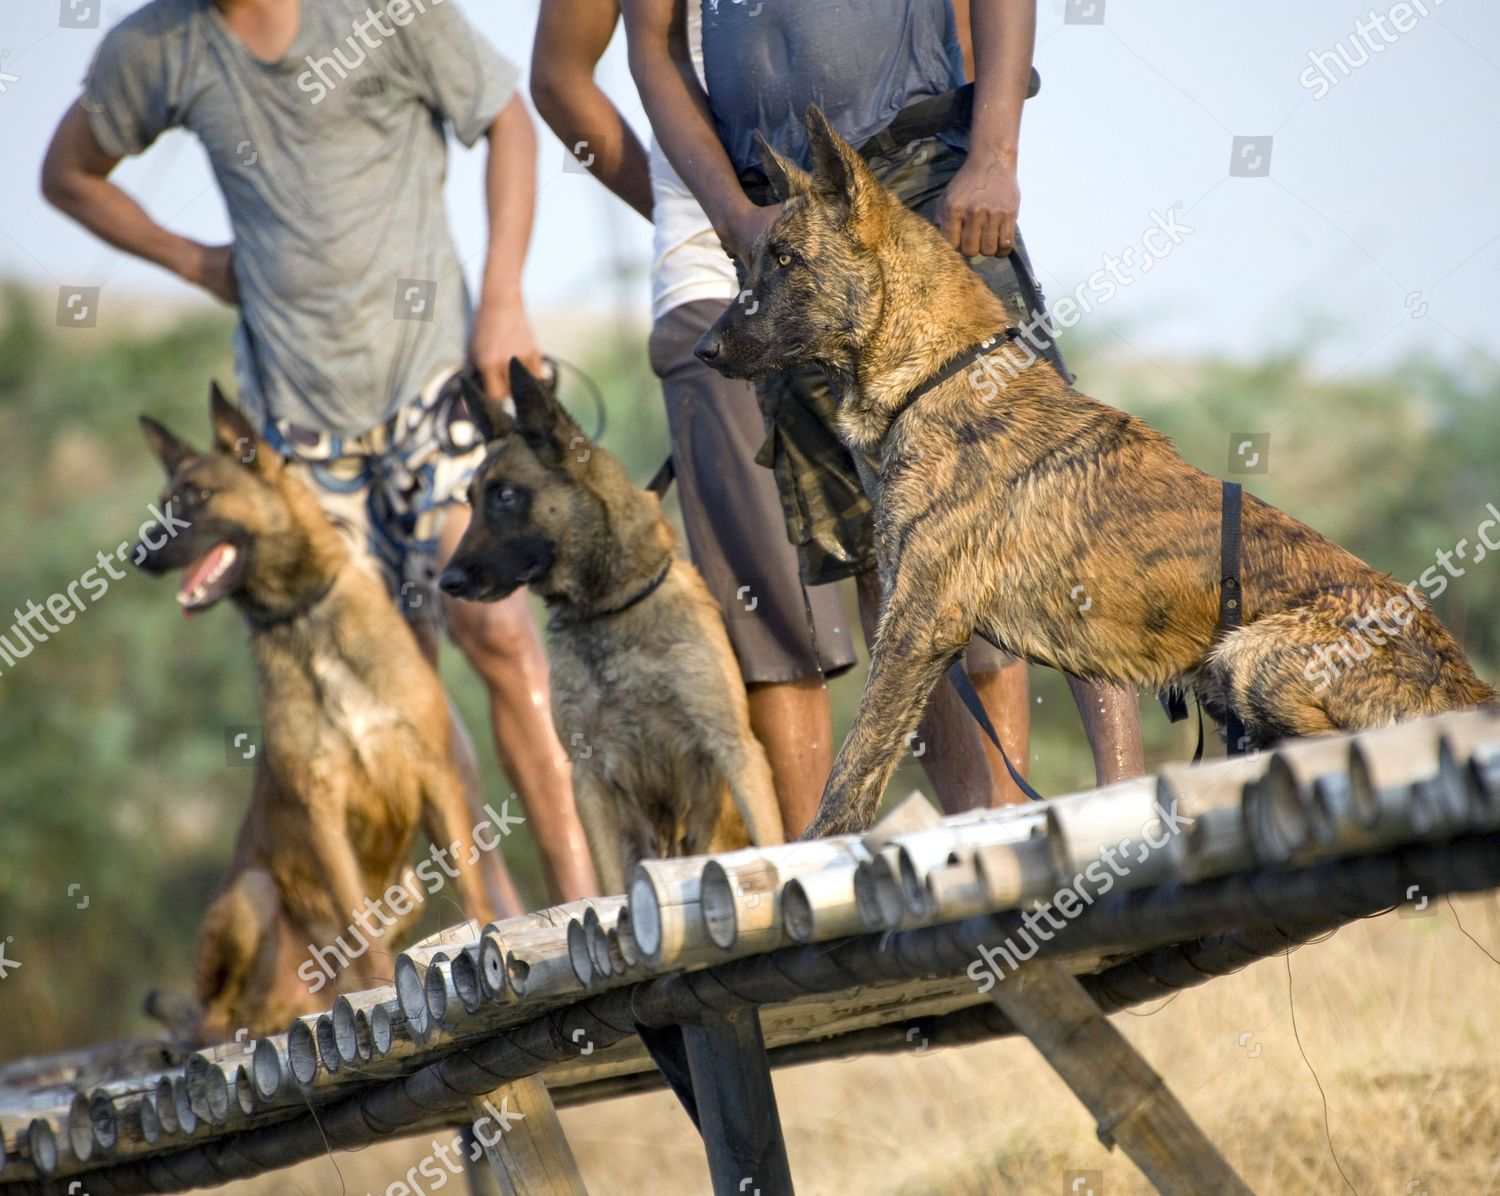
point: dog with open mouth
(354, 756)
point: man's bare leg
(952, 756)
(1006, 694)
(498, 885)
(497, 880)
(500, 640)
(1112, 720)
(794, 723)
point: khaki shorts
(780, 630)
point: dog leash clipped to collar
(634, 600)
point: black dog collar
(956, 365)
(634, 600)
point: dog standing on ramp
(645, 688)
(1002, 493)
(356, 733)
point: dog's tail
(180, 1015)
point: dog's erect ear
(787, 178)
(489, 414)
(234, 434)
(170, 451)
(840, 174)
(543, 422)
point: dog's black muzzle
(456, 582)
(158, 551)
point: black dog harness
(1231, 613)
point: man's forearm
(114, 217)
(1004, 33)
(510, 200)
(571, 37)
(75, 180)
(679, 110)
(610, 149)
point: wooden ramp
(1035, 920)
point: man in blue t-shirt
(890, 76)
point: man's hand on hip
(212, 268)
(977, 213)
(502, 331)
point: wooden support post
(517, 1127)
(720, 1072)
(1130, 1103)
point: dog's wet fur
(1004, 494)
(646, 693)
(353, 756)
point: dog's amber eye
(783, 259)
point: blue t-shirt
(860, 61)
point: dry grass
(1399, 1018)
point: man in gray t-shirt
(325, 122)
(333, 186)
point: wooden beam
(1130, 1103)
(736, 1105)
(517, 1127)
(718, 1068)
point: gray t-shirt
(331, 162)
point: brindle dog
(645, 687)
(355, 743)
(1001, 491)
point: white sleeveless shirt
(689, 262)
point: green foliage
(114, 773)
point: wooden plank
(1130, 1103)
(518, 1130)
(736, 1105)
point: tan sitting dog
(355, 745)
(645, 687)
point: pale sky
(1376, 231)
